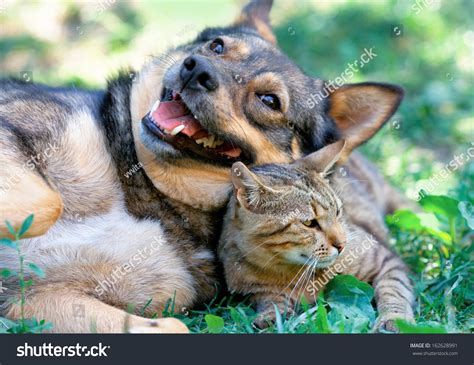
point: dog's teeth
(200, 141)
(177, 129)
(211, 142)
(155, 106)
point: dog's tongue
(171, 114)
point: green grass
(24, 325)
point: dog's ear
(324, 159)
(360, 110)
(256, 15)
(250, 191)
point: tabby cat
(286, 235)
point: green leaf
(6, 273)
(10, 228)
(26, 224)
(423, 222)
(278, 320)
(8, 243)
(432, 225)
(406, 327)
(349, 290)
(467, 211)
(352, 298)
(321, 322)
(440, 204)
(234, 315)
(405, 219)
(28, 283)
(304, 303)
(37, 270)
(215, 324)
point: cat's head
(288, 214)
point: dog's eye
(311, 223)
(217, 46)
(270, 100)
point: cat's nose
(339, 246)
(337, 237)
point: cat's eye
(217, 46)
(270, 100)
(311, 223)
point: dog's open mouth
(172, 121)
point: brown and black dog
(106, 237)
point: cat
(287, 232)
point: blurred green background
(426, 46)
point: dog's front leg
(74, 312)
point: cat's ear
(324, 159)
(360, 110)
(250, 191)
(256, 15)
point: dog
(128, 185)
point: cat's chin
(319, 263)
(322, 264)
(325, 262)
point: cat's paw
(264, 320)
(268, 317)
(386, 323)
(160, 325)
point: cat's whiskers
(269, 260)
(308, 280)
(309, 276)
(253, 249)
(296, 275)
(303, 275)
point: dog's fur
(91, 217)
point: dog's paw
(386, 323)
(160, 325)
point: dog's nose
(197, 73)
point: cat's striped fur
(290, 228)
